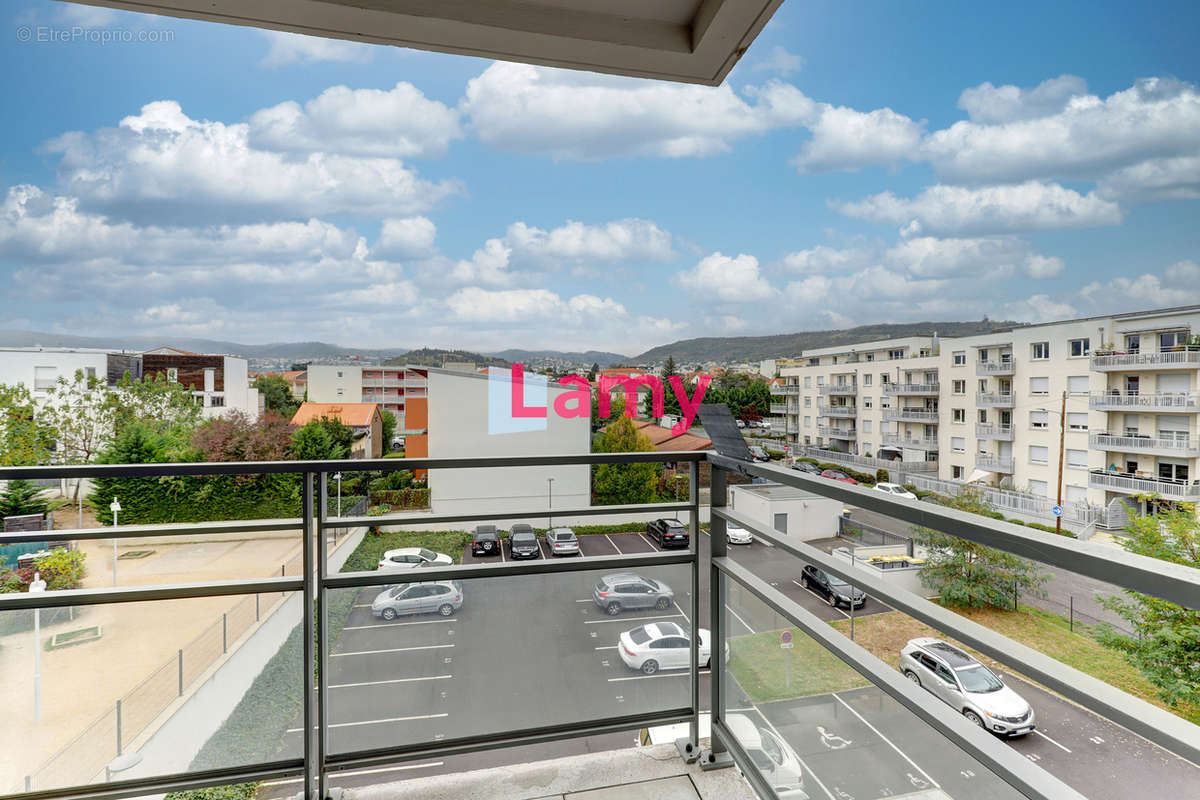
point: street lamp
(338, 477)
(1062, 433)
(37, 585)
(115, 508)
(549, 502)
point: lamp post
(115, 508)
(1062, 433)
(549, 502)
(37, 585)
(338, 477)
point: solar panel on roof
(723, 431)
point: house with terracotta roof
(362, 418)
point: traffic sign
(785, 640)
(1057, 511)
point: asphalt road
(535, 650)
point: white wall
(808, 517)
(458, 427)
(324, 380)
(19, 366)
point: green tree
(313, 442)
(136, 444)
(162, 405)
(593, 372)
(968, 574)
(616, 484)
(1165, 646)
(670, 400)
(277, 395)
(21, 497)
(25, 439)
(82, 415)
(389, 429)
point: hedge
(861, 477)
(401, 498)
(198, 498)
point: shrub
(881, 475)
(401, 498)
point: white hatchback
(411, 558)
(737, 535)
(895, 490)
(661, 645)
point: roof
(356, 415)
(777, 491)
(169, 351)
(664, 440)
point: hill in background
(586, 358)
(435, 357)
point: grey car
(562, 542)
(615, 593)
(441, 597)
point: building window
(1041, 351)
(1038, 488)
(172, 374)
(1039, 386)
(884, 427)
(1078, 384)
(870, 356)
(807, 421)
(217, 400)
(1133, 344)
(958, 444)
(895, 354)
(44, 378)
(867, 402)
(1077, 458)
(339, 372)
(820, 380)
(807, 402)
(1077, 420)
(983, 354)
(958, 415)
(808, 381)
(1039, 454)
(884, 378)
(1039, 420)
(866, 426)
(956, 473)
(983, 384)
(1171, 340)
(885, 402)
(91, 373)
(781, 523)
(1079, 347)
(339, 391)
(983, 415)
(959, 387)
(960, 358)
(867, 379)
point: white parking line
(390, 650)
(614, 544)
(373, 722)
(807, 769)
(648, 540)
(822, 599)
(659, 675)
(350, 773)
(608, 647)
(739, 619)
(392, 680)
(1051, 741)
(685, 616)
(628, 619)
(394, 624)
(889, 741)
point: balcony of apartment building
(926, 389)
(833, 432)
(929, 443)
(840, 411)
(1179, 357)
(999, 432)
(991, 462)
(1001, 368)
(1166, 443)
(786, 389)
(779, 408)
(870, 462)
(1139, 483)
(792, 425)
(994, 399)
(1169, 402)
(925, 415)
(847, 389)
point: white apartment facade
(991, 408)
(387, 386)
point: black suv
(486, 541)
(668, 532)
(835, 590)
(523, 542)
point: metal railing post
(717, 756)
(119, 743)
(181, 672)
(308, 532)
(689, 746)
(322, 637)
(225, 633)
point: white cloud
(1182, 272)
(1144, 291)
(1039, 308)
(162, 165)
(960, 211)
(725, 279)
(291, 48)
(1039, 267)
(846, 139)
(823, 258)
(88, 16)
(400, 123)
(993, 258)
(167, 314)
(778, 59)
(489, 264)
(1153, 180)
(394, 295)
(408, 237)
(477, 305)
(988, 105)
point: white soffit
(692, 41)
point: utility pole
(1062, 432)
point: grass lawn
(886, 634)
(759, 665)
(366, 556)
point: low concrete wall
(541, 522)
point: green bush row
(401, 498)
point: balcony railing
(925, 415)
(994, 463)
(831, 432)
(844, 412)
(1184, 402)
(1185, 358)
(851, 460)
(914, 442)
(779, 408)
(911, 388)
(1166, 488)
(785, 389)
(996, 431)
(987, 369)
(1180, 445)
(994, 399)
(848, 389)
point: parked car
(806, 466)
(740, 423)
(835, 590)
(668, 532)
(411, 557)
(562, 542)
(758, 454)
(838, 475)
(523, 542)
(441, 597)
(958, 679)
(661, 645)
(486, 541)
(619, 591)
(736, 535)
(765, 425)
(774, 758)
(895, 490)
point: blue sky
(865, 162)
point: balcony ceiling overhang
(691, 41)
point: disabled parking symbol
(832, 740)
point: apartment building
(1121, 391)
(386, 386)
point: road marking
(350, 773)
(608, 647)
(614, 544)
(373, 722)
(822, 599)
(589, 600)
(394, 624)
(628, 619)
(1096, 740)
(652, 545)
(889, 741)
(660, 675)
(391, 650)
(1051, 741)
(685, 616)
(392, 680)
(807, 769)
(739, 619)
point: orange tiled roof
(356, 415)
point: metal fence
(1078, 517)
(864, 534)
